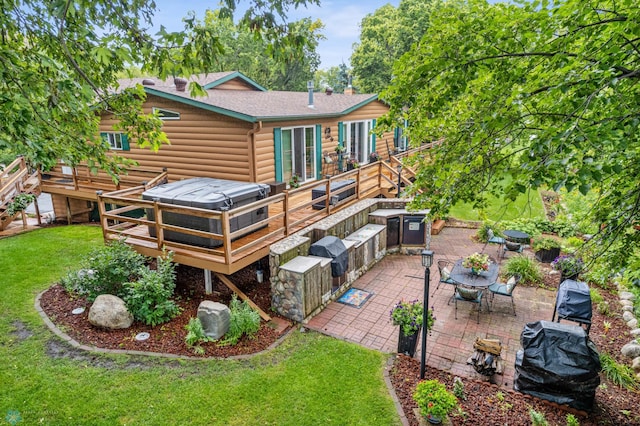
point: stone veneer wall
(288, 287)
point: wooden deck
(231, 250)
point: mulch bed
(485, 403)
(168, 337)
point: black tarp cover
(558, 363)
(574, 300)
(332, 247)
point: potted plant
(294, 182)
(373, 157)
(340, 149)
(434, 400)
(546, 248)
(476, 262)
(352, 163)
(569, 266)
(408, 315)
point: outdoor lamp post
(399, 167)
(427, 261)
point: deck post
(208, 287)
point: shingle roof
(255, 105)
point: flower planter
(547, 255)
(407, 344)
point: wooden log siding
(203, 144)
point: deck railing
(288, 212)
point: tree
(335, 77)
(243, 51)
(544, 92)
(386, 35)
(60, 60)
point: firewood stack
(486, 357)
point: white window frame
(115, 140)
(365, 141)
(314, 171)
(164, 110)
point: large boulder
(215, 318)
(110, 312)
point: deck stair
(16, 179)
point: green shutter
(318, 151)
(373, 136)
(103, 135)
(340, 142)
(125, 141)
(396, 137)
(277, 151)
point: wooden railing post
(103, 219)
(358, 177)
(159, 228)
(286, 213)
(327, 192)
(226, 231)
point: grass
(309, 379)
(499, 210)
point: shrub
(544, 243)
(572, 420)
(148, 299)
(526, 267)
(243, 320)
(481, 234)
(537, 418)
(434, 399)
(196, 335)
(620, 375)
(105, 270)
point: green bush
(524, 266)
(105, 270)
(243, 320)
(621, 375)
(537, 418)
(481, 234)
(148, 298)
(572, 420)
(544, 243)
(196, 335)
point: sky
(341, 19)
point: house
(241, 131)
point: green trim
(318, 151)
(277, 150)
(125, 141)
(373, 136)
(396, 137)
(340, 143)
(232, 76)
(202, 105)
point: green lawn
(308, 380)
(526, 205)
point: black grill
(333, 248)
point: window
(166, 114)
(117, 141)
(400, 138)
(358, 140)
(299, 153)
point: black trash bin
(558, 363)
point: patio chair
(445, 267)
(468, 295)
(504, 289)
(492, 239)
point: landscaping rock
(635, 332)
(627, 316)
(636, 364)
(627, 295)
(627, 308)
(631, 350)
(626, 302)
(215, 318)
(110, 312)
(632, 323)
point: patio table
(481, 280)
(463, 276)
(517, 236)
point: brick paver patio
(450, 343)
